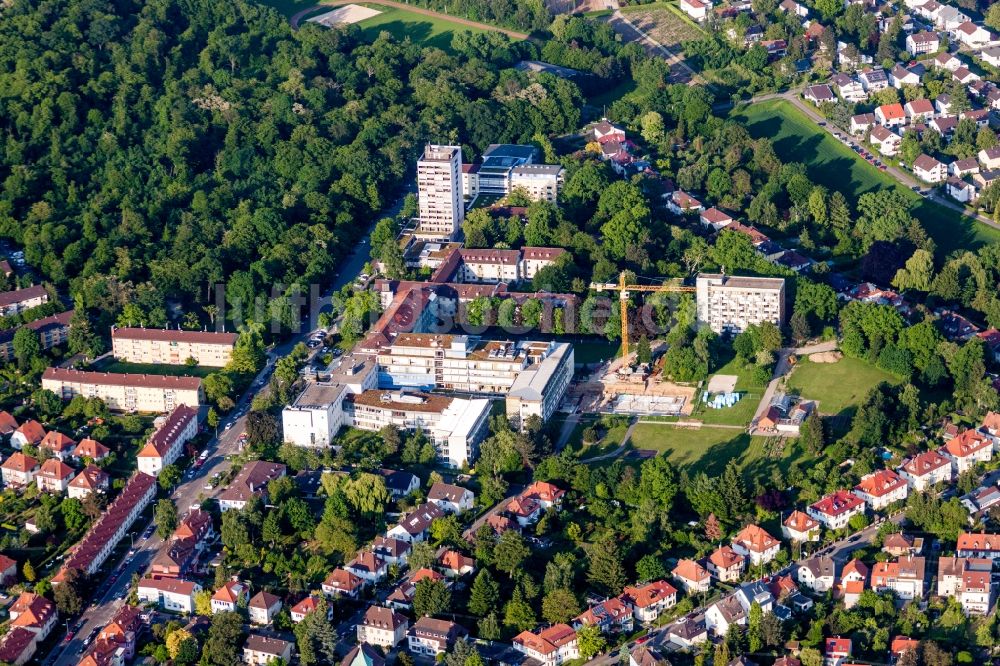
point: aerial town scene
(522, 333)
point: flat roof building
(439, 192)
(730, 303)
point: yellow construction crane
(623, 290)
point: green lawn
(420, 29)
(596, 351)
(837, 386)
(738, 414)
(111, 365)
(830, 163)
(710, 449)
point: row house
(968, 580)
(967, 450)
(904, 577)
(926, 470)
(881, 488)
(93, 549)
(650, 600)
(836, 509)
(167, 443)
(800, 527)
(978, 544)
(754, 542)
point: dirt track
(298, 16)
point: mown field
(830, 163)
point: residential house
(942, 103)
(849, 88)
(8, 570)
(900, 76)
(92, 479)
(527, 507)
(929, 170)
(250, 482)
(696, 9)
(725, 613)
(368, 566)
(799, 526)
(229, 597)
(19, 470)
(382, 626)
(965, 76)
(979, 545)
(171, 594)
(716, 219)
(299, 611)
(968, 580)
(649, 655)
(260, 650)
(455, 565)
(402, 597)
(922, 42)
(836, 509)
(988, 157)
(59, 445)
(991, 56)
(692, 576)
(881, 488)
(819, 94)
(979, 116)
(400, 484)
(341, 582)
(836, 650)
(413, 526)
(91, 449)
(948, 18)
(904, 576)
(451, 498)
(967, 450)
(899, 544)
(873, 80)
(925, 470)
(975, 36)
(755, 591)
(755, 543)
(891, 115)
(726, 564)
(392, 551)
(687, 632)
(885, 140)
(855, 571)
(817, 573)
(944, 125)
(611, 615)
(263, 606)
(793, 7)
(8, 424)
(30, 432)
(965, 167)
(54, 476)
(32, 618)
(919, 110)
(863, 122)
(649, 600)
(429, 637)
(681, 202)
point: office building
(506, 167)
(730, 303)
(439, 192)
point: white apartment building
(730, 303)
(167, 443)
(552, 646)
(171, 347)
(506, 167)
(881, 488)
(454, 425)
(540, 388)
(125, 392)
(925, 470)
(439, 192)
(382, 626)
(969, 580)
(905, 577)
(171, 594)
(317, 414)
(541, 182)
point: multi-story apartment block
(125, 392)
(482, 266)
(317, 414)
(881, 488)
(969, 580)
(730, 303)
(439, 192)
(171, 594)
(18, 300)
(167, 443)
(172, 347)
(541, 182)
(51, 331)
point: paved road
(513, 34)
(111, 595)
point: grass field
(709, 450)
(837, 386)
(664, 23)
(421, 29)
(830, 163)
(111, 365)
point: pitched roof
(837, 503)
(446, 492)
(978, 541)
(8, 423)
(229, 593)
(91, 448)
(58, 442)
(925, 162)
(166, 436)
(920, 106)
(725, 557)
(690, 570)
(548, 640)
(363, 655)
(755, 539)
(925, 463)
(55, 469)
(175, 335)
(643, 596)
(69, 376)
(32, 431)
(800, 521)
(381, 617)
(880, 483)
(967, 443)
(19, 462)
(91, 477)
(266, 644)
(892, 111)
(264, 600)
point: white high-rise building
(730, 303)
(439, 185)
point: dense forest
(153, 148)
